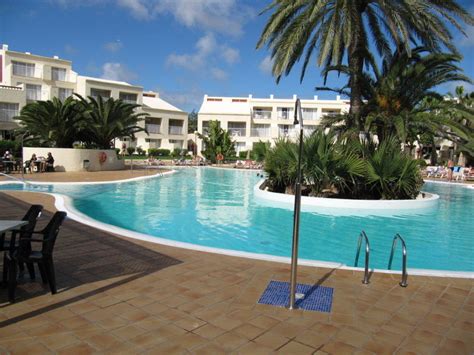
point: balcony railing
(153, 128)
(8, 87)
(259, 115)
(175, 130)
(286, 132)
(282, 115)
(237, 132)
(260, 132)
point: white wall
(69, 159)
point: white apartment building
(25, 77)
(251, 120)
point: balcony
(237, 132)
(176, 130)
(286, 133)
(260, 132)
(262, 115)
(153, 128)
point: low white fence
(69, 159)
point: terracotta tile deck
(124, 296)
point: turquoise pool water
(216, 208)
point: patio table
(10, 225)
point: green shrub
(130, 150)
(13, 146)
(259, 150)
(155, 152)
(243, 154)
(176, 152)
(140, 150)
(117, 151)
(344, 169)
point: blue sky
(181, 48)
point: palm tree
(400, 97)
(340, 29)
(53, 122)
(109, 119)
(217, 141)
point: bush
(176, 152)
(140, 151)
(117, 151)
(13, 146)
(154, 152)
(243, 154)
(259, 150)
(130, 150)
(344, 169)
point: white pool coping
(65, 203)
(43, 183)
(345, 207)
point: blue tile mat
(316, 298)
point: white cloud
(204, 46)
(219, 74)
(185, 100)
(225, 16)
(451, 87)
(139, 8)
(266, 65)
(117, 71)
(230, 55)
(114, 46)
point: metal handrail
(403, 283)
(367, 255)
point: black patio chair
(8, 246)
(44, 257)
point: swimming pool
(216, 208)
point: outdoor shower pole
(297, 209)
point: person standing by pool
(450, 169)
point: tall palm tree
(340, 29)
(400, 97)
(109, 119)
(53, 122)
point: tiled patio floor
(124, 296)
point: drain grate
(311, 297)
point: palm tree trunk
(356, 54)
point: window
(63, 93)
(153, 125)
(153, 143)
(95, 93)
(58, 74)
(23, 69)
(175, 127)
(127, 97)
(8, 111)
(284, 113)
(33, 92)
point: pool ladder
(363, 237)
(403, 283)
